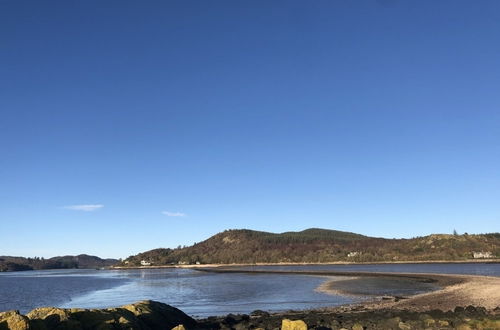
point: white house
(482, 255)
(145, 263)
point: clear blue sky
(131, 125)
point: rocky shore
(148, 314)
(142, 315)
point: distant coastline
(82, 261)
(471, 261)
(121, 267)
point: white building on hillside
(482, 255)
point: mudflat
(453, 290)
(457, 290)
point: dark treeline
(319, 245)
(81, 261)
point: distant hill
(8, 263)
(320, 245)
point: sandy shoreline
(456, 290)
(468, 261)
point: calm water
(489, 269)
(202, 294)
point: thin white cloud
(84, 207)
(174, 214)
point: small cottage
(482, 255)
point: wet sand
(457, 290)
(374, 287)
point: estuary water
(202, 294)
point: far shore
(471, 261)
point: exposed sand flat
(469, 290)
(457, 290)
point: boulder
(157, 315)
(259, 313)
(429, 322)
(443, 323)
(391, 323)
(106, 318)
(287, 324)
(179, 327)
(475, 311)
(13, 320)
(404, 326)
(47, 317)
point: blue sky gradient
(128, 125)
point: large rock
(287, 324)
(179, 327)
(105, 319)
(13, 320)
(157, 315)
(143, 315)
(48, 317)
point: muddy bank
(371, 287)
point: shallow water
(197, 293)
(29, 289)
(202, 294)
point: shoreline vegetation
(462, 302)
(108, 264)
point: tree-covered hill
(319, 245)
(8, 263)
